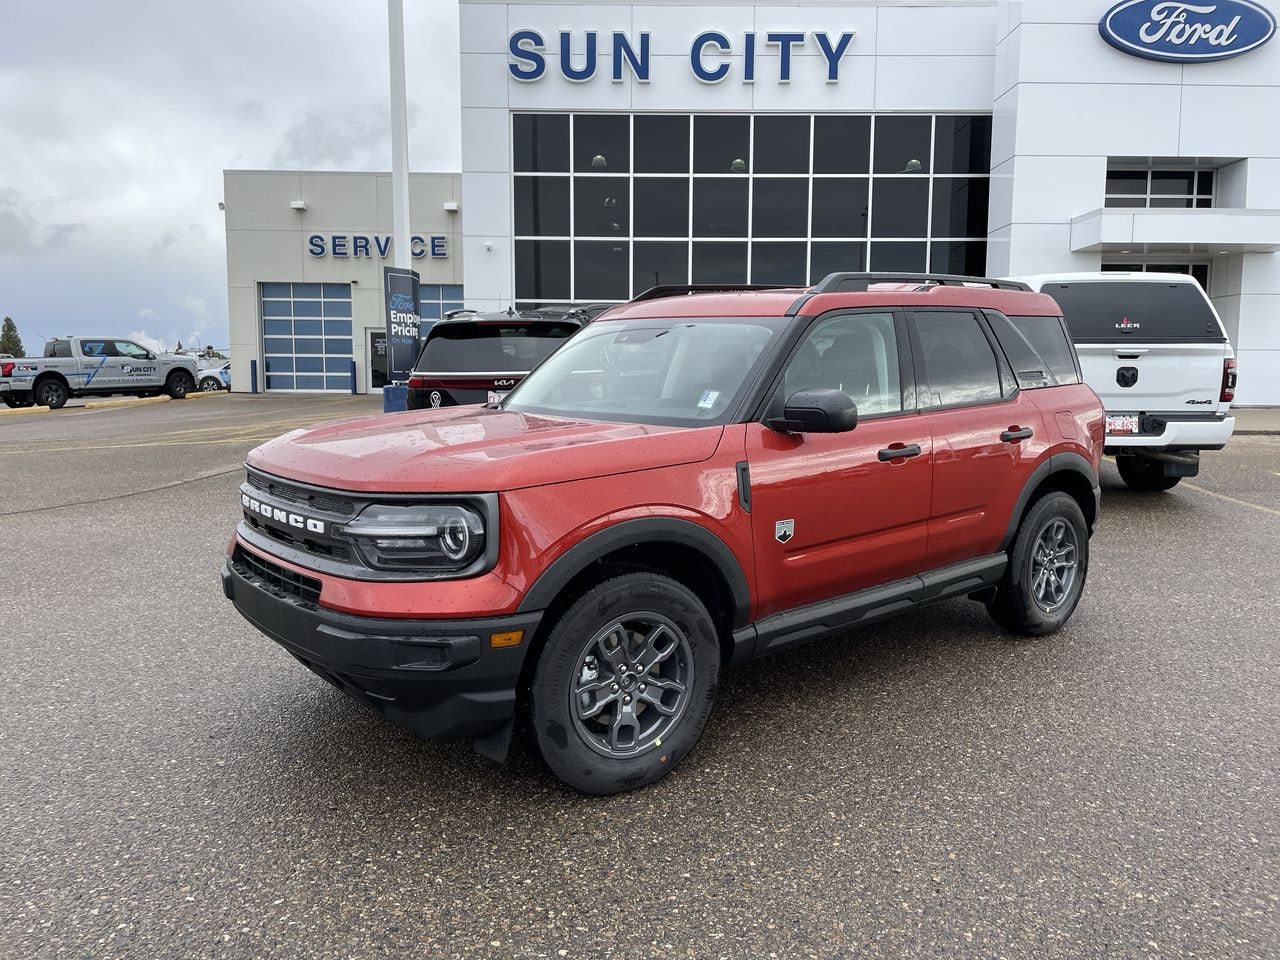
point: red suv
(695, 479)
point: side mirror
(816, 411)
(150, 355)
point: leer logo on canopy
(1181, 32)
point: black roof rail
(858, 282)
(679, 290)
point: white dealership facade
(609, 146)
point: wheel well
(684, 564)
(1075, 486)
(47, 376)
(177, 370)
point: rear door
(835, 513)
(1146, 346)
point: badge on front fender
(784, 530)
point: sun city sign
(708, 54)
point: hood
(474, 450)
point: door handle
(899, 451)
(1129, 354)
(1014, 434)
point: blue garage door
(306, 335)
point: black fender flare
(1057, 463)
(630, 533)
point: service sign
(1181, 32)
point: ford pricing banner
(401, 288)
(1182, 32)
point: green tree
(10, 342)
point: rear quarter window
(1048, 336)
(1131, 311)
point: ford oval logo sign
(1183, 32)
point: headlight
(426, 536)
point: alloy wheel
(1054, 564)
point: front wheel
(210, 385)
(625, 684)
(1144, 474)
(179, 384)
(1047, 567)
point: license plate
(496, 395)
(1122, 424)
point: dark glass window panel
(719, 263)
(960, 206)
(720, 207)
(431, 291)
(841, 144)
(279, 364)
(781, 145)
(276, 290)
(1130, 182)
(662, 207)
(1173, 182)
(662, 144)
(962, 145)
(309, 290)
(542, 206)
(1049, 338)
(279, 383)
(451, 291)
(277, 328)
(897, 256)
(310, 383)
(542, 269)
(1154, 311)
(601, 270)
(1126, 202)
(902, 145)
(277, 345)
(840, 207)
(1118, 267)
(306, 308)
(1205, 182)
(659, 264)
(308, 328)
(308, 345)
(310, 364)
(1167, 267)
(340, 345)
(1030, 370)
(338, 383)
(721, 144)
(899, 208)
(965, 257)
(780, 208)
(337, 290)
(601, 207)
(778, 263)
(1201, 272)
(1171, 201)
(540, 142)
(1204, 202)
(337, 328)
(601, 143)
(337, 364)
(825, 258)
(277, 308)
(429, 311)
(959, 365)
(337, 308)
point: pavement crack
(122, 496)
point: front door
(377, 359)
(835, 513)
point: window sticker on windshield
(708, 400)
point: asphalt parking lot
(172, 784)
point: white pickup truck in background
(1154, 349)
(93, 367)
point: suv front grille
(301, 496)
(274, 578)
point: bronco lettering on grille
(281, 516)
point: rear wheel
(1144, 474)
(1047, 567)
(13, 403)
(179, 384)
(51, 393)
(623, 689)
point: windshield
(489, 347)
(673, 372)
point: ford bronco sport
(695, 479)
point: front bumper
(439, 678)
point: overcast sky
(117, 120)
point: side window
(1048, 335)
(127, 348)
(94, 348)
(1029, 369)
(856, 353)
(959, 364)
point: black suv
(479, 357)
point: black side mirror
(816, 411)
(150, 355)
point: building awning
(1208, 230)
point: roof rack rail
(858, 282)
(679, 290)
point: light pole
(399, 136)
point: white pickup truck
(1154, 349)
(93, 367)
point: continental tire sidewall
(561, 744)
(1021, 612)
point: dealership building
(610, 147)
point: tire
(13, 403)
(616, 747)
(210, 385)
(51, 393)
(179, 384)
(1024, 602)
(1144, 474)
